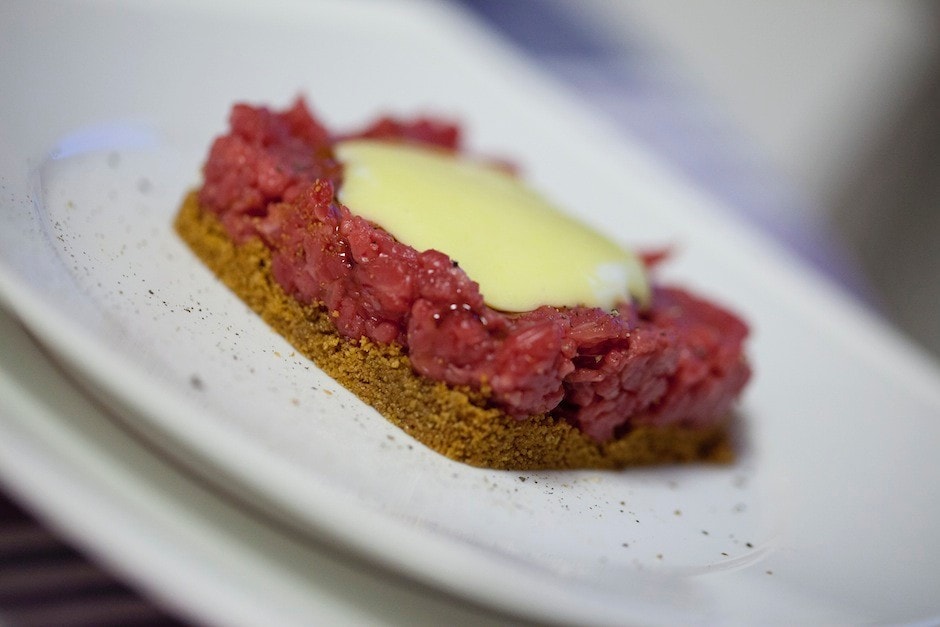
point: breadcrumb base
(455, 422)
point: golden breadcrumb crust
(456, 422)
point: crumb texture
(455, 422)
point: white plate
(828, 515)
(192, 551)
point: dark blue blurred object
(637, 88)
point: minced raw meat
(678, 361)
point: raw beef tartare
(410, 331)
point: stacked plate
(157, 422)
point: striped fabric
(46, 583)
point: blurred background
(817, 121)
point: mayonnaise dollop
(523, 251)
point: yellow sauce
(522, 251)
